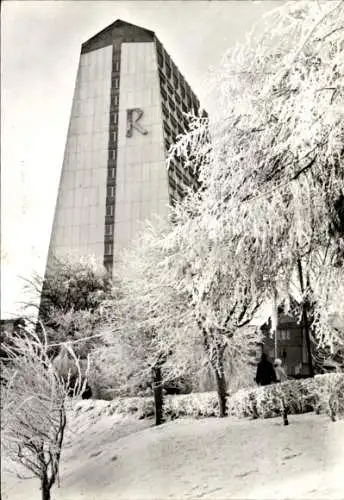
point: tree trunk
(221, 388)
(45, 488)
(305, 324)
(158, 395)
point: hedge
(323, 393)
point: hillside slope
(114, 458)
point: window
(112, 173)
(285, 334)
(162, 77)
(109, 210)
(111, 191)
(112, 154)
(108, 229)
(165, 110)
(114, 137)
(117, 66)
(116, 83)
(168, 70)
(179, 175)
(171, 104)
(175, 80)
(115, 100)
(158, 46)
(167, 129)
(186, 180)
(174, 123)
(180, 191)
(172, 183)
(160, 60)
(108, 248)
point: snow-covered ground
(116, 458)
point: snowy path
(202, 459)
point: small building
(288, 344)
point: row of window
(177, 119)
(111, 176)
(186, 101)
(186, 106)
(176, 191)
(182, 176)
(171, 71)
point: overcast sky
(40, 50)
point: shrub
(203, 404)
(138, 407)
(268, 401)
(322, 393)
(329, 391)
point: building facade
(290, 344)
(129, 105)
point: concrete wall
(142, 188)
(78, 227)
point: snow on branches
(271, 160)
(149, 322)
(34, 403)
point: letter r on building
(134, 115)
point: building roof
(106, 36)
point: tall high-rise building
(128, 107)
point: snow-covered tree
(34, 404)
(71, 294)
(272, 172)
(211, 277)
(149, 334)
